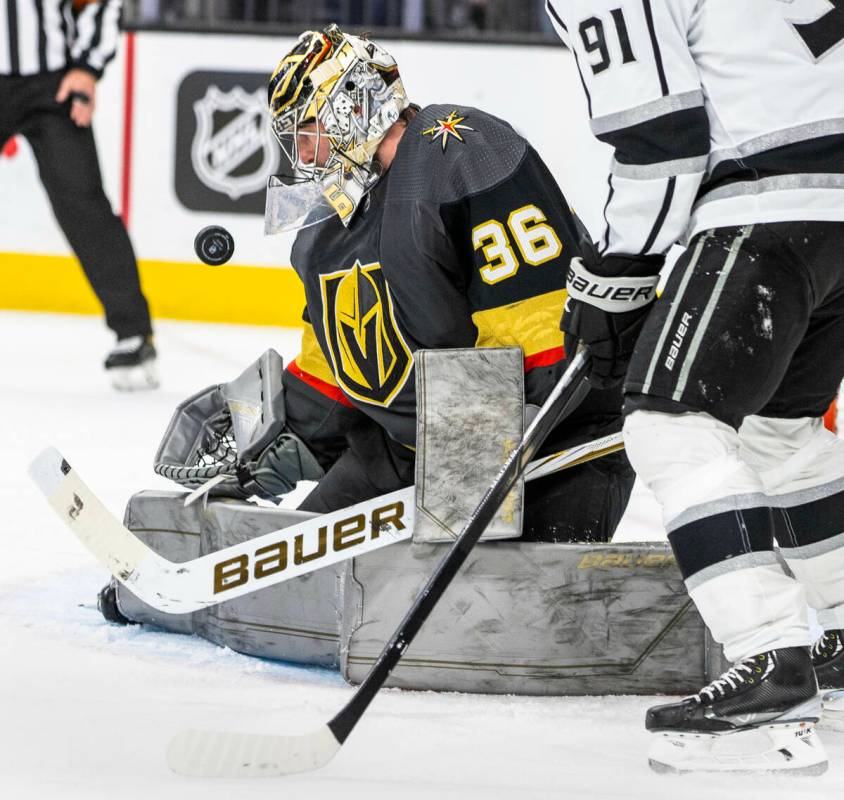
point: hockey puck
(214, 245)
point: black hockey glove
(608, 301)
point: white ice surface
(86, 708)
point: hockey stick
(181, 587)
(221, 754)
(579, 454)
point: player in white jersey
(727, 123)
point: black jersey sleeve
(491, 231)
(514, 242)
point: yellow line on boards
(175, 290)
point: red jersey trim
(324, 388)
(544, 358)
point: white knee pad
(793, 455)
(690, 461)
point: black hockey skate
(828, 660)
(131, 365)
(758, 716)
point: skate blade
(832, 718)
(134, 379)
(666, 769)
(791, 747)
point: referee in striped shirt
(51, 54)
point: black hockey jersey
(464, 242)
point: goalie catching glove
(608, 301)
(231, 440)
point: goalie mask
(332, 100)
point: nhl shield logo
(371, 358)
(233, 150)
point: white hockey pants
(724, 495)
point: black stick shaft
(564, 398)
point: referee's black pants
(70, 173)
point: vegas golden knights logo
(371, 359)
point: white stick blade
(215, 754)
(92, 523)
(46, 471)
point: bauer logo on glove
(612, 294)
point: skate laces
(828, 644)
(735, 676)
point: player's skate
(758, 716)
(828, 658)
(131, 365)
